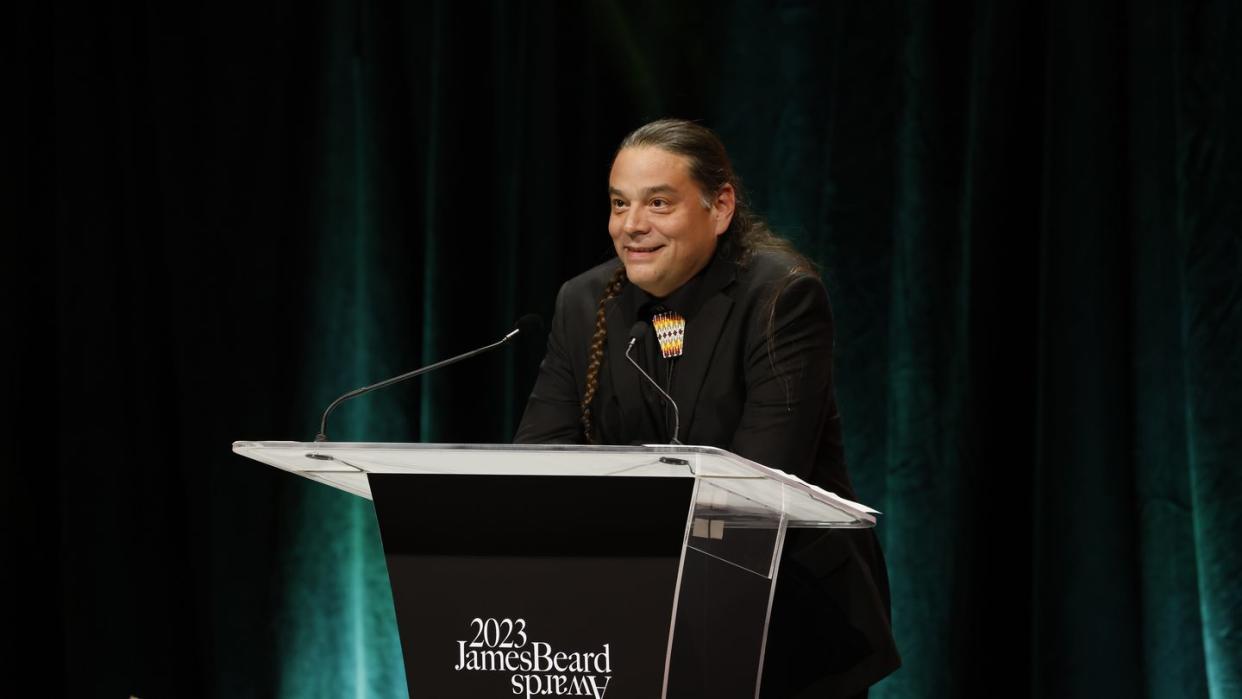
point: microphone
(528, 323)
(637, 332)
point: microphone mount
(637, 331)
(525, 323)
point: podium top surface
(739, 484)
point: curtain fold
(1207, 96)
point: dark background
(220, 215)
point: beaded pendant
(670, 330)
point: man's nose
(635, 222)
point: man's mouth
(638, 249)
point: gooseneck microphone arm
(527, 322)
(640, 329)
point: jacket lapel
(625, 383)
(702, 337)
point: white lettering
(542, 656)
(597, 691)
(537, 669)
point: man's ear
(723, 206)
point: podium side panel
(515, 586)
(719, 635)
(726, 592)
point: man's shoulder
(766, 266)
(581, 294)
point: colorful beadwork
(670, 330)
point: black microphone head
(529, 323)
(638, 330)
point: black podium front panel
(533, 586)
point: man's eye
(618, 204)
(659, 203)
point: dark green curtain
(1029, 217)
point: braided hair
(596, 356)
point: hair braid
(597, 349)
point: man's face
(660, 228)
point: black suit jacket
(756, 379)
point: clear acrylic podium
(545, 570)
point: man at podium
(734, 326)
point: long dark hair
(747, 234)
(711, 170)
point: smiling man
(663, 226)
(745, 350)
